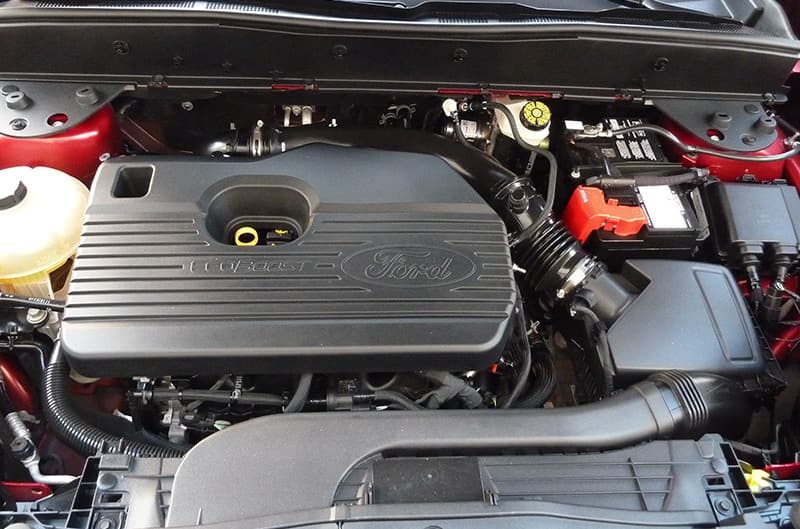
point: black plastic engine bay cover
(361, 260)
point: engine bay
(210, 262)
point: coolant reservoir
(41, 213)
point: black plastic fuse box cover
(399, 264)
(753, 219)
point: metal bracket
(742, 126)
(34, 109)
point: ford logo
(408, 266)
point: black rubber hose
(543, 374)
(255, 399)
(527, 361)
(73, 430)
(688, 177)
(397, 399)
(300, 397)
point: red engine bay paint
(19, 388)
(588, 211)
(723, 168)
(77, 151)
(27, 492)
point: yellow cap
(535, 115)
(245, 236)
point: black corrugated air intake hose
(76, 432)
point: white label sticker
(664, 208)
(469, 128)
(571, 124)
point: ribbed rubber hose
(77, 433)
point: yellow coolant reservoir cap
(41, 213)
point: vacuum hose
(73, 430)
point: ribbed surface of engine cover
(398, 264)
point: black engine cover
(398, 264)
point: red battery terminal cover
(588, 211)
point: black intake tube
(73, 430)
(673, 406)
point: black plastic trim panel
(168, 48)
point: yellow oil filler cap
(245, 236)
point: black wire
(7, 300)
(398, 399)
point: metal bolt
(18, 101)
(18, 124)
(87, 95)
(575, 174)
(7, 89)
(339, 51)
(188, 106)
(748, 139)
(561, 293)
(36, 316)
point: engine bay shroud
(397, 264)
